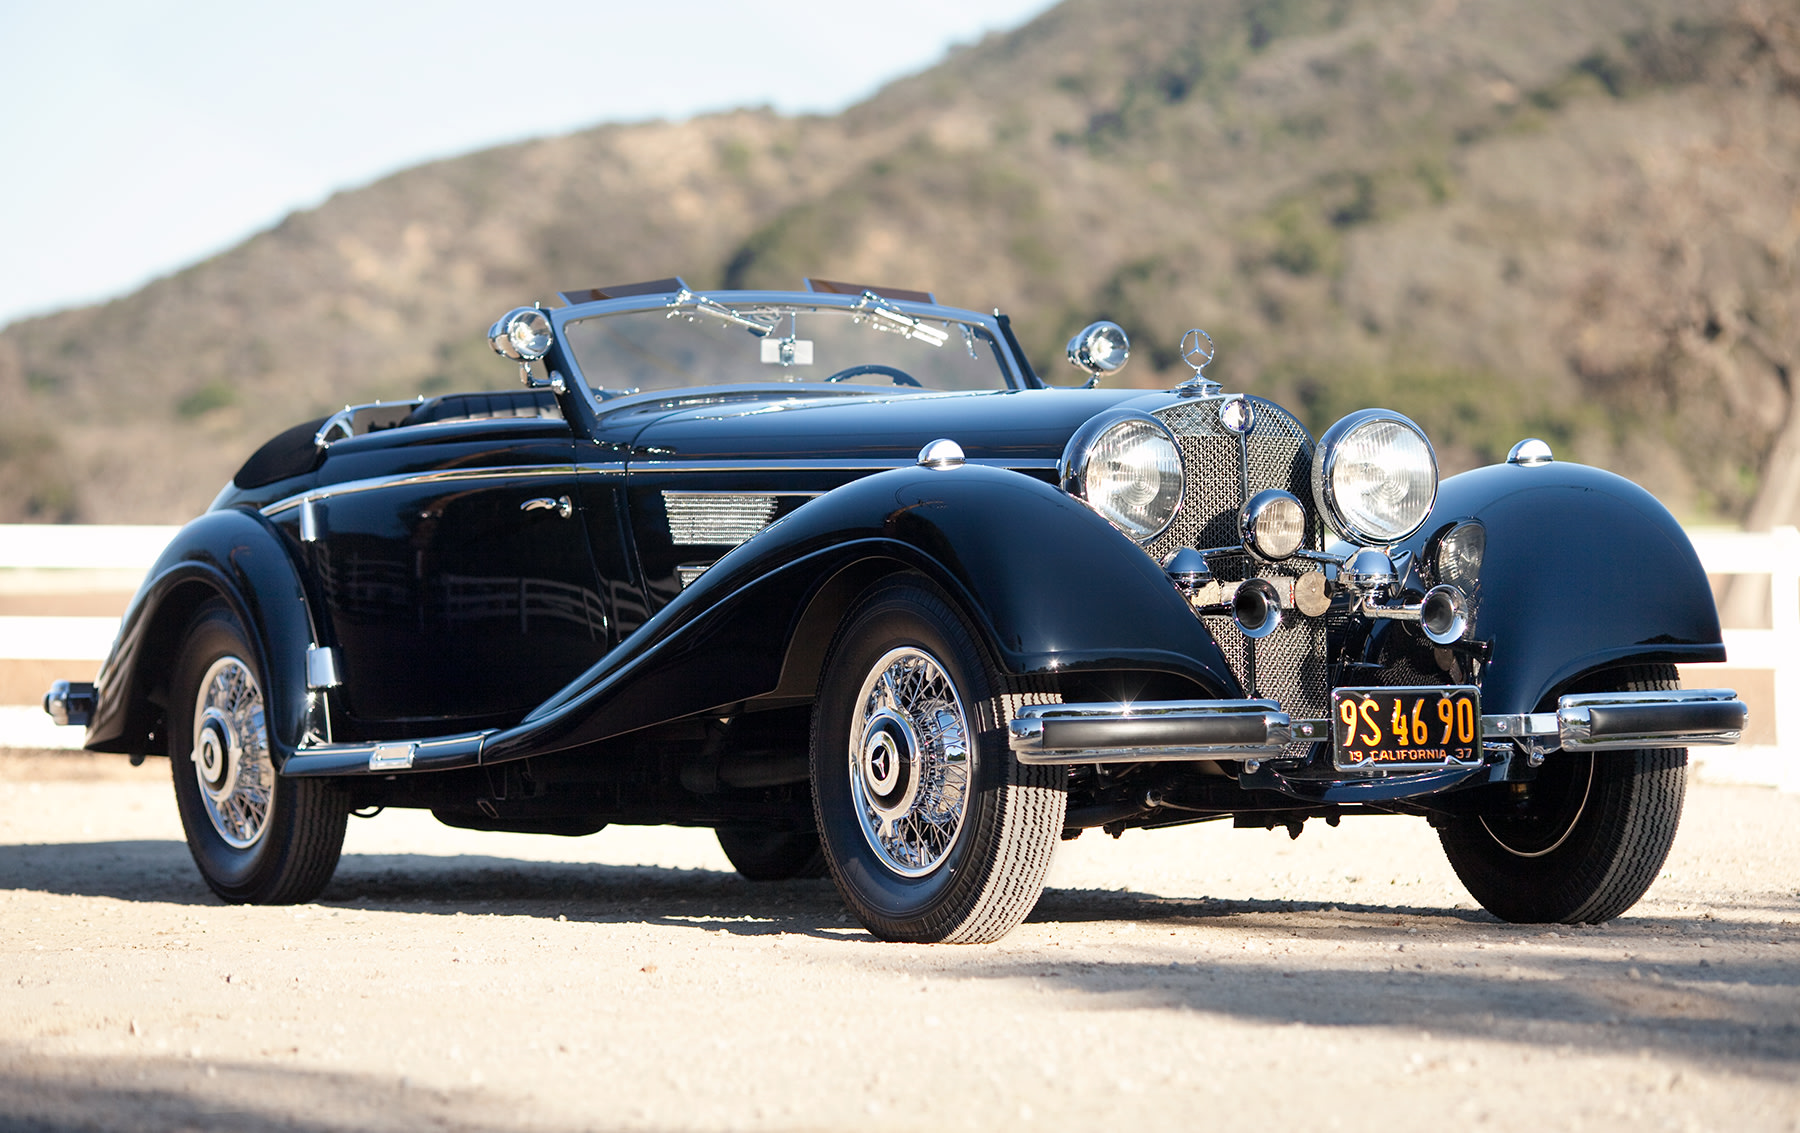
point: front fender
(1049, 585)
(235, 555)
(1584, 571)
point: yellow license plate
(1404, 728)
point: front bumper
(1260, 730)
(70, 703)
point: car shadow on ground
(1743, 1016)
(150, 870)
(47, 1094)
(1641, 983)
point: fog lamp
(1272, 524)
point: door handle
(561, 505)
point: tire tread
(1014, 856)
(1635, 812)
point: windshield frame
(1016, 374)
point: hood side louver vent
(712, 519)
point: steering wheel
(901, 377)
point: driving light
(522, 334)
(1375, 477)
(1127, 467)
(1272, 524)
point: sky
(139, 137)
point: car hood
(1005, 427)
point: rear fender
(1049, 585)
(1584, 571)
(233, 555)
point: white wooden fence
(57, 559)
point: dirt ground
(1198, 977)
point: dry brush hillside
(1580, 221)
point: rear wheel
(932, 830)
(1584, 840)
(766, 853)
(257, 838)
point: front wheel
(933, 832)
(257, 838)
(1583, 841)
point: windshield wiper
(886, 316)
(700, 304)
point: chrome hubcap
(231, 753)
(910, 762)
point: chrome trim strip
(528, 471)
(441, 476)
(1035, 463)
(387, 756)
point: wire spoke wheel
(231, 753)
(910, 761)
(932, 830)
(256, 838)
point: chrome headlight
(1127, 467)
(1374, 477)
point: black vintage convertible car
(836, 573)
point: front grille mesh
(1289, 663)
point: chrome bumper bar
(1135, 733)
(1259, 729)
(70, 703)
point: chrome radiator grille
(1289, 664)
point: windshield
(705, 343)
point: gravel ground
(1173, 979)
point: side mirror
(1099, 349)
